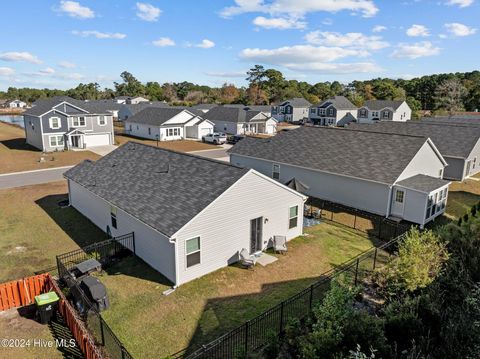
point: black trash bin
(46, 306)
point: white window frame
(313, 110)
(386, 114)
(321, 111)
(56, 145)
(113, 217)
(104, 120)
(199, 250)
(276, 166)
(294, 217)
(77, 118)
(330, 111)
(400, 199)
(51, 122)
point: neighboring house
(236, 120)
(3, 103)
(335, 111)
(458, 144)
(126, 111)
(384, 110)
(16, 104)
(293, 110)
(61, 123)
(167, 124)
(266, 109)
(204, 107)
(130, 100)
(389, 175)
(190, 215)
(105, 106)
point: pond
(14, 119)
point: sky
(59, 43)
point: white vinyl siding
(192, 252)
(293, 217)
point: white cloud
(416, 50)
(47, 71)
(459, 30)
(460, 3)
(74, 9)
(6, 71)
(205, 44)
(279, 23)
(227, 74)
(379, 28)
(300, 8)
(20, 57)
(318, 59)
(147, 12)
(163, 42)
(67, 65)
(100, 35)
(417, 31)
(351, 39)
(71, 76)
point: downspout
(174, 241)
(389, 202)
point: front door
(256, 227)
(75, 141)
(398, 202)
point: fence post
(311, 298)
(122, 349)
(375, 258)
(355, 221)
(246, 338)
(133, 237)
(281, 317)
(356, 270)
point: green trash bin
(46, 306)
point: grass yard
(33, 229)
(152, 325)
(16, 155)
(462, 196)
(180, 145)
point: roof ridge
(367, 131)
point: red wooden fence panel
(19, 293)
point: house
(16, 104)
(266, 109)
(384, 110)
(335, 111)
(130, 100)
(3, 103)
(167, 124)
(293, 110)
(236, 120)
(204, 107)
(458, 144)
(61, 123)
(394, 176)
(126, 111)
(105, 106)
(190, 215)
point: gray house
(458, 144)
(62, 123)
(293, 110)
(190, 215)
(128, 110)
(389, 175)
(336, 111)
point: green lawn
(152, 325)
(461, 197)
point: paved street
(217, 154)
(27, 178)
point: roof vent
(165, 169)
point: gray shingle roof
(451, 141)
(42, 106)
(154, 116)
(454, 120)
(377, 105)
(162, 188)
(298, 102)
(204, 106)
(423, 183)
(339, 102)
(368, 155)
(230, 114)
(135, 108)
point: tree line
(441, 92)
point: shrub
(465, 217)
(473, 211)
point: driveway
(218, 154)
(102, 150)
(28, 178)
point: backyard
(462, 196)
(16, 155)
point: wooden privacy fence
(22, 292)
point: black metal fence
(106, 253)
(255, 333)
(373, 225)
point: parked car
(233, 139)
(216, 138)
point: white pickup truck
(216, 138)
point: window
(113, 216)
(276, 171)
(440, 173)
(331, 112)
(56, 141)
(130, 127)
(173, 132)
(399, 196)
(78, 121)
(313, 110)
(363, 113)
(102, 120)
(474, 162)
(149, 131)
(293, 217)
(55, 122)
(386, 114)
(322, 111)
(192, 251)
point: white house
(336, 111)
(293, 110)
(389, 175)
(384, 110)
(167, 124)
(190, 215)
(17, 104)
(241, 120)
(128, 100)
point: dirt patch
(181, 145)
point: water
(14, 119)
